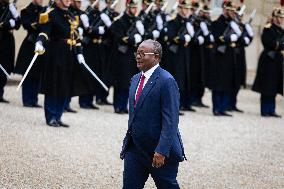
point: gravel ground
(243, 152)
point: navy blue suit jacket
(153, 124)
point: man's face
(278, 21)
(77, 4)
(145, 56)
(185, 12)
(38, 2)
(65, 3)
(133, 11)
(231, 14)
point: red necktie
(140, 88)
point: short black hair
(157, 46)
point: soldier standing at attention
(30, 88)
(180, 33)
(127, 32)
(269, 77)
(61, 77)
(9, 21)
(226, 33)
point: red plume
(282, 2)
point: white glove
(204, 28)
(105, 18)
(212, 40)
(247, 40)
(236, 28)
(165, 30)
(156, 34)
(234, 37)
(200, 40)
(187, 38)
(190, 29)
(81, 32)
(249, 30)
(137, 38)
(101, 30)
(39, 48)
(140, 27)
(159, 21)
(81, 59)
(12, 23)
(13, 10)
(168, 18)
(85, 20)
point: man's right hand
(39, 48)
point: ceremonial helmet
(194, 4)
(161, 2)
(132, 3)
(184, 4)
(148, 2)
(279, 13)
(229, 5)
(109, 1)
(205, 8)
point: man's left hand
(158, 160)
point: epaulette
(268, 25)
(125, 39)
(44, 17)
(173, 17)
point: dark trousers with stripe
(120, 99)
(54, 107)
(86, 100)
(3, 81)
(220, 101)
(267, 104)
(30, 91)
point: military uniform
(107, 47)
(223, 67)
(124, 66)
(62, 74)
(178, 63)
(240, 66)
(269, 77)
(9, 21)
(30, 87)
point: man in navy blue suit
(152, 144)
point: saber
(27, 71)
(252, 16)
(95, 76)
(5, 72)
(114, 3)
(164, 6)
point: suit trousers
(137, 170)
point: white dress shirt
(147, 77)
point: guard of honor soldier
(200, 53)
(269, 77)
(9, 21)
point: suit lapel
(147, 88)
